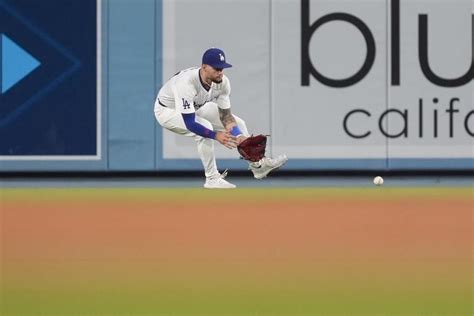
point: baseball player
(195, 102)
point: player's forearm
(229, 123)
(227, 119)
(196, 128)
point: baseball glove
(253, 148)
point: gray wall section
(188, 32)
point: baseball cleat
(268, 164)
(219, 182)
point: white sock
(206, 153)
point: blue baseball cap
(215, 57)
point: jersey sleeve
(184, 92)
(223, 100)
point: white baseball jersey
(186, 93)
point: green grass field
(190, 252)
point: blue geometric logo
(17, 63)
(50, 79)
(33, 64)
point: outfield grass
(188, 252)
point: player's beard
(217, 80)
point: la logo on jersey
(186, 104)
(222, 57)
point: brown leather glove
(253, 148)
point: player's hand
(226, 139)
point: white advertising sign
(371, 81)
(338, 79)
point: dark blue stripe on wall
(1, 63)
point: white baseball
(378, 180)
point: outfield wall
(339, 85)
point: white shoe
(268, 164)
(219, 182)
